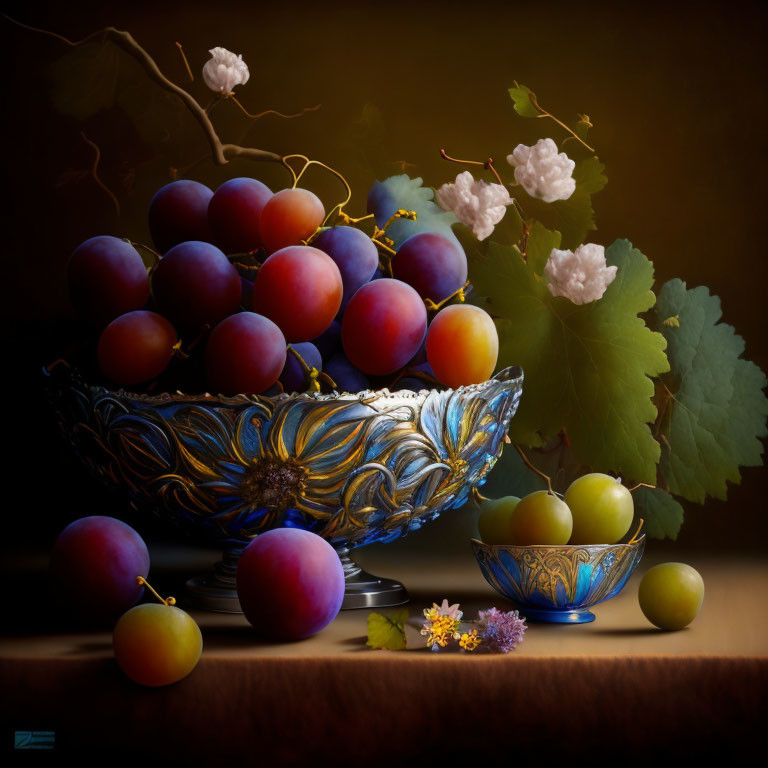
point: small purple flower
(501, 632)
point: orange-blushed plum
(290, 216)
(136, 347)
(300, 289)
(157, 644)
(462, 345)
(290, 583)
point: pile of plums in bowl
(258, 308)
(267, 370)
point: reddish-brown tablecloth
(615, 687)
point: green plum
(671, 595)
(493, 523)
(602, 509)
(157, 644)
(540, 518)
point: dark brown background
(676, 93)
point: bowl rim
(513, 548)
(510, 374)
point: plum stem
(155, 255)
(310, 372)
(637, 532)
(640, 485)
(478, 497)
(144, 583)
(530, 466)
(435, 306)
(339, 207)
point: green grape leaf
(404, 192)
(521, 96)
(587, 367)
(574, 218)
(387, 632)
(663, 515)
(541, 241)
(84, 80)
(712, 406)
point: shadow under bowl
(558, 583)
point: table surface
(733, 620)
(599, 683)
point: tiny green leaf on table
(663, 515)
(712, 408)
(387, 632)
(587, 367)
(574, 218)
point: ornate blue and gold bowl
(354, 468)
(558, 583)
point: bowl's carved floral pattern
(352, 468)
(558, 577)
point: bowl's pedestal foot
(363, 590)
(580, 616)
(218, 591)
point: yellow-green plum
(671, 595)
(493, 523)
(157, 644)
(540, 518)
(602, 509)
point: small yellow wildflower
(469, 640)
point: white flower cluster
(542, 172)
(581, 275)
(477, 204)
(224, 71)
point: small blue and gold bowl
(558, 583)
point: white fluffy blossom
(581, 275)
(543, 172)
(477, 204)
(224, 71)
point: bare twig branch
(95, 171)
(221, 153)
(259, 115)
(186, 62)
